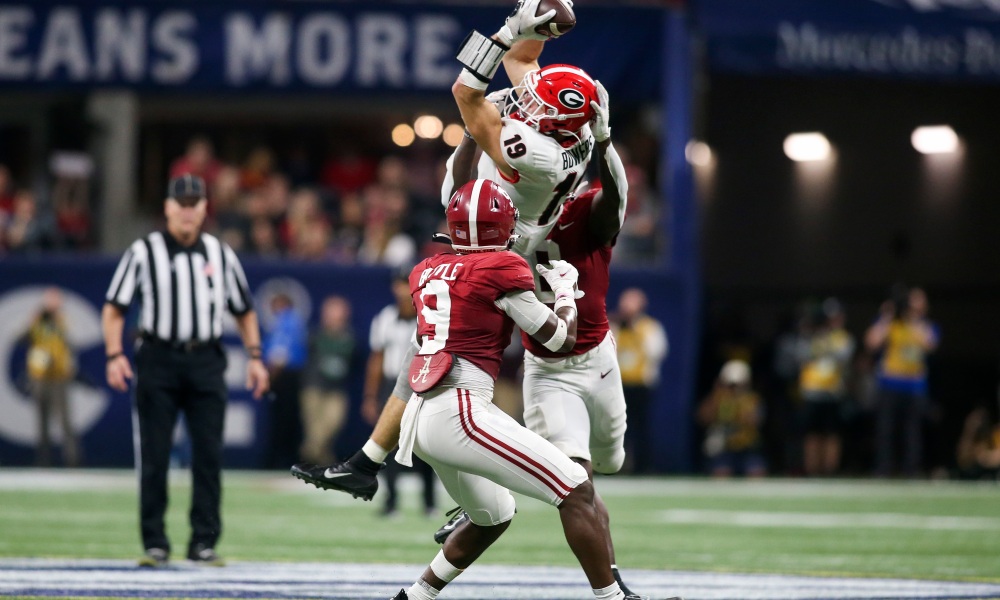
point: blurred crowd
(817, 401)
(820, 401)
(61, 222)
(350, 208)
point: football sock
(421, 590)
(612, 592)
(618, 578)
(362, 462)
(372, 450)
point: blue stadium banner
(103, 418)
(956, 40)
(296, 46)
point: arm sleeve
(238, 296)
(123, 284)
(527, 311)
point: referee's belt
(186, 346)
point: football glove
(499, 98)
(601, 126)
(521, 23)
(560, 275)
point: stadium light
(402, 135)
(453, 134)
(935, 139)
(428, 127)
(698, 153)
(806, 147)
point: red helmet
(555, 98)
(481, 217)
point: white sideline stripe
(340, 581)
(828, 521)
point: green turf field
(932, 530)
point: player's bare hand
(258, 381)
(118, 373)
(601, 124)
(521, 23)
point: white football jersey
(546, 174)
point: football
(560, 23)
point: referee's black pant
(169, 380)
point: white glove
(560, 275)
(601, 126)
(521, 23)
(499, 98)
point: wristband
(481, 56)
(254, 352)
(471, 80)
(111, 357)
(564, 297)
(558, 338)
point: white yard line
(362, 581)
(731, 518)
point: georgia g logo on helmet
(571, 99)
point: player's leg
(356, 475)
(491, 505)
(483, 440)
(597, 379)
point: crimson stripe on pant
(526, 463)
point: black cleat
(400, 596)
(343, 477)
(458, 516)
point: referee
(184, 279)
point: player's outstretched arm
(462, 168)
(482, 121)
(607, 213)
(481, 56)
(462, 165)
(522, 58)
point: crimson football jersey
(454, 295)
(571, 240)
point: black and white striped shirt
(183, 291)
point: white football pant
(577, 403)
(480, 453)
